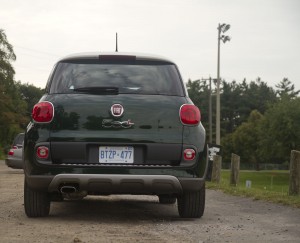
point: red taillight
(42, 152)
(190, 115)
(189, 154)
(11, 152)
(43, 112)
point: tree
(12, 107)
(30, 94)
(7, 55)
(257, 96)
(227, 147)
(199, 93)
(246, 139)
(239, 100)
(286, 89)
(255, 123)
(230, 107)
(281, 129)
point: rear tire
(167, 199)
(192, 204)
(36, 204)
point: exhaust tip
(68, 189)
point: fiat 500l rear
(115, 124)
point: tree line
(259, 123)
(16, 99)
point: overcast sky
(265, 35)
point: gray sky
(265, 35)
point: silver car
(14, 157)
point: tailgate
(149, 125)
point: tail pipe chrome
(68, 189)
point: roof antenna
(116, 42)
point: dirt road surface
(128, 218)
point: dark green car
(113, 123)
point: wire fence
(252, 166)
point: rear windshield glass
(19, 139)
(154, 79)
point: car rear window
(19, 139)
(152, 79)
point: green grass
(271, 186)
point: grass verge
(271, 186)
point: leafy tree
(30, 94)
(199, 93)
(246, 139)
(230, 107)
(7, 55)
(281, 130)
(257, 96)
(239, 100)
(227, 147)
(12, 107)
(258, 123)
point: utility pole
(221, 28)
(210, 112)
(218, 136)
(209, 108)
(116, 42)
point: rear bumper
(14, 163)
(117, 184)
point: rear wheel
(192, 204)
(36, 204)
(167, 199)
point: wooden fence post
(235, 169)
(216, 169)
(295, 173)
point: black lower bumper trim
(117, 184)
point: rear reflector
(189, 154)
(43, 112)
(42, 152)
(190, 115)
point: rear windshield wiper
(98, 90)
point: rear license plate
(116, 155)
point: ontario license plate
(116, 155)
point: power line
(35, 56)
(42, 52)
(33, 68)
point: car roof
(96, 55)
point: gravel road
(127, 218)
